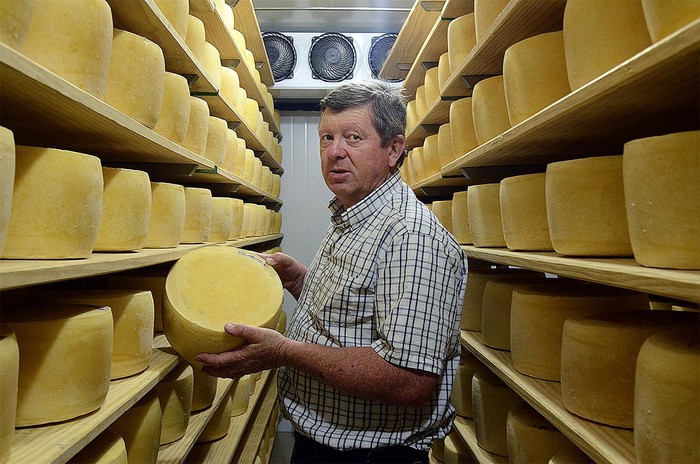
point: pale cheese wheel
(73, 39)
(174, 115)
(218, 425)
(211, 61)
(257, 172)
(15, 18)
(586, 207)
(664, 17)
(406, 174)
(455, 451)
(411, 116)
(239, 165)
(9, 377)
(7, 181)
(140, 428)
(266, 182)
(432, 87)
(571, 456)
(203, 389)
(106, 448)
(485, 14)
(198, 213)
(418, 164)
(667, 382)
(239, 40)
(245, 222)
(167, 215)
(197, 127)
(226, 13)
(532, 438)
(460, 218)
(461, 394)
(135, 85)
(443, 211)
(217, 138)
(240, 395)
(177, 13)
(538, 312)
(151, 278)
(229, 163)
(248, 172)
(598, 360)
(237, 224)
(250, 114)
(421, 104)
(661, 192)
(444, 72)
(221, 219)
(534, 75)
(250, 219)
(489, 109)
(196, 37)
(484, 209)
(431, 160)
(523, 204)
(445, 153)
(175, 397)
(47, 336)
(277, 228)
(599, 35)
(462, 121)
(212, 286)
(461, 39)
(47, 181)
(230, 83)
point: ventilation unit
(378, 53)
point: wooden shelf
(466, 429)
(247, 23)
(254, 434)
(437, 114)
(602, 443)
(618, 272)
(59, 442)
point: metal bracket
(432, 5)
(404, 66)
(231, 63)
(233, 125)
(158, 169)
(447, 98)
(470, 81)
(232, 3)
(213, 170)
(191, 78)
(205, 94)
(494, 173)
(428, 64)
(430, 128)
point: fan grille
(378, 53)
(281, 53)
(332, 57)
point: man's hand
(290, 271)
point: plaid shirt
(389, 276)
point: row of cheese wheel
(597, 35)
(642, 203)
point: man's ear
(396, 147)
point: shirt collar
(367, 206)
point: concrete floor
(284, 443)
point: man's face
(353, 162)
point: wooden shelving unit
(467, 431)
(247, 23)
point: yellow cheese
(9, 376)
(48, 181)
(219, 423)
(175, 397)
(460, 218)
(226, 13)
(571, 455)
(177, 13)
(73, 39)
(217, 138)
(221, 219)
(250, 114)
(455, 451)
(239, 40)
(174, 113)
(195, 37)
(463, 140)
(230, 83)
(106, 448)
(461, 38)
(211, 62)
(151, 278)
(197, 127)
(485, 215)
(586, 207)
(421, 104)
(229, 163)
(666, 395)
(661, 192)
(257, 172)
(237, 224)
(266, 182)
(461, 394)
(135, 85)
(524, 213)
(534, 75)
(443, 211)
(432, 87)
(664, 17)
(538, 312)
(212, 286)
(599, 35)
(431, 161)
(203, 389)
(240, 395)
(277, 228)
(250, 219)
(418, 165)
(489, 109)
(239, 165)
(531, 437)
(167, 215)
(7, 181)
(598, 360)
(485, 14)
(445, 152)
(15, 18)
(444, 72)
(411, 116)
(140, 427)
(248, 172)
(245, 222)
(198, 213)
(47, 336)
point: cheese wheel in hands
(484, 209)
(177, 12)
(48, 181)
(665, 17)
(15, 18)
(7, 181)
(167, 215)
(489, 109)
(175, 396)
(174, 115)
(107, 448)
(212, 286)
(461, 38)
(523, 204)
(9, 376)
(198, 211)
(140, 427)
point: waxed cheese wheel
(135, 85)
(196, 37)
(217, 138)
(47, 336)
(174, 115)
(445, 152)
(237, 224)
(7, 181)
(240, 395)
(219, 423)
(140, 428)
(461, 38)
(47, 181)
(664, 17)
(167, 215)
(456, 452)
(523, 204)
(460, 218)
(531, 437)
(198, 212)
(586, 207)
(73, 39)
(461, 394)
(15, 18)
(107, 448)
(175, 397)
(598, 360)
(462, 121)
(221, 219)
(489, 109)
(443, 211)
(9, 376)
(485, 14)
(203, 389)
(538, 312)
(661, 197)
(152, 279)
(666, 395)
(197, 127)
(599, 35)
(212, 286)
(485, 215)
(534, 75)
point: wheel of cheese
(237, 224)
(489, 109)
(251, 224)
(411, 116)
(431, 160)
(174, 115)
(175, 397)
(167, 215)
(538, 312)
(418, 163)
(48, 180)
(136, 80)
(598, 360)
(239, 165)
(196, 37)
(463, 140)
(661, 191)
(485, 215)
(444, 72)
(9, 376)
(215, 149)
(211, 62)
(245, 222)
(524, 213)
(7, 181)
(226, 14)
(212, 286)
(485, 14)
(249, 165)
(571, 455)
(461, 394)
(257, 172)
(460, 218)
(664, 17)
(229, 163)
(140, 428)
(106, 448)
(443, 211)
(197, 127)
(152, 279)
(456, 452)
(586, 207)
(203, 389)
(239, 40)
(250, 115)
(198, 213)
(666, 394)
(73, 39)
(177, 13)
(266, 182)
(230, 83)
(432, 87)
(47, 336)
(219, 423)
(421, 103)
(461, 39)
(15, 18)
(221, 219)
(534, 75)
(240, 393)
(532, 438)
(277, 228)
(445, 153)
(599, 35)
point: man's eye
(354, 137)
(326, 138)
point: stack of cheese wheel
(203, 389)
(532, 438)
(195, 37)
(443, 211)
(15, 18)
(152, 279)
(456, 452)
(167, 215)
(219, 423)
(106, 448)
(217, 139)
(598, 360)
(484, 207)
(239, 393)
(237, 207)
(140, 428)
(47, 181)
(460, 218)
(177, 12)
(212, 286)
(599, 35)
(666, 395)
(175, 397)
(9, 360)
(221, 219)
(7, 181)
(485, 14)
(489, 109)
(461, 394)
(126, 210)
(523, 205)
(174, 114)
(445, 152)
(48, 335)
(73, 39)
(198, 212)
(197, 127)
(586, 207)
(461, 38)
(664, 18)
(538, 312)
(444, 72)
(211, 62)
(534, 75)
(661, 191)
(461, 116)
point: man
(372, 347)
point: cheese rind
(219, 423)
(443, 211)
(203, 389)
(489, 109)
(9, 377)
(240, 394)
(167, 215)
(531, 437)
(7, 181)
(198, 212)
(107, 448)
(523, 204)
(461, 394)
(197, 127)
(177, 12)
(175, 397)
(140, 427)
(664, 17)
(237, 224)
(196, 37)
(461, 116)
(217, 139)
(484, 209)
(485, 13)
(461, 38)
(445, 153)
(221, 219)
(174, 114)
(460, 218)
(211, 61)
(455, 451)
(152, 279)
(15, 18)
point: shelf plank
(467, 430)
(602, 443)
(247, 23)
(618, 272)
(59, 442)
(251, 441)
